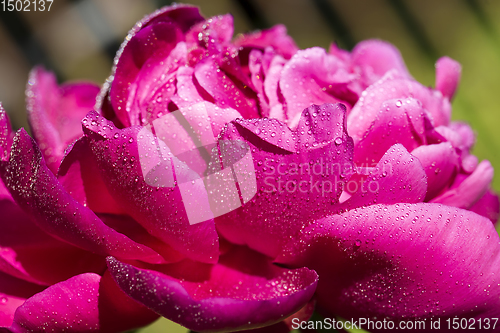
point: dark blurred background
(77, 39)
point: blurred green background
(77, 39)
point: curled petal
(213, 32)
(395, 86)
(459, 134)
(448, 73)
(373, 58)
(398, 177)
(37, 191)
(488, 206)
(151, 91)
(6, 135)
(466, 192)
(441, 164)
(272, 89)
(187, 91)
(276, 37)
(166, 27)
(224, 91)
(257, 76)
(398, 121)
(55, 113)
(243, 290)
(314, 77)
(83, 303)
(402, 261)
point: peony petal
(225, 91)
(276, 37)
(126, 225)
(298, 176)
(465, 133)
(373, 58)
(398, 121)
(28, 253)
(459, 134)
(151, 91)
(314, 77)
(243, 290)
(488, 206)
(6, 135)
(402, 261)
(37, 191)
(166, 27)
(448, 72)
(272, 89)
(55, 113)
(80, 177)
(13, 293)
(466, 192)
(84, 303)
(441, 164)
(257, 77)
(159, 209)
(213, 32)
(398, 177)
(187, 92)
(395, 86)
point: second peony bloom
(237, 184)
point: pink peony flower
(237, 184)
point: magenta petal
(402, 261)
(213, 32)
(314, 77)
(395, 86)
(448, 73)
(72, 303)
(470, 190)
(242, 291)
(225, 91)
(5, 135)
(28, 253)
(37, 191)
(398, 121)
(257, 76)
(83, 303)
(488, 206)
(276, 37)
(272, 89)
(166, 27)
(80, 177)
(187, 92)
(398, 177)
(299, 175)
(55, 113)
(373, 58)
(13, 293)
(466, 136)
(160, 210)
(441, 164)
(150, 93)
